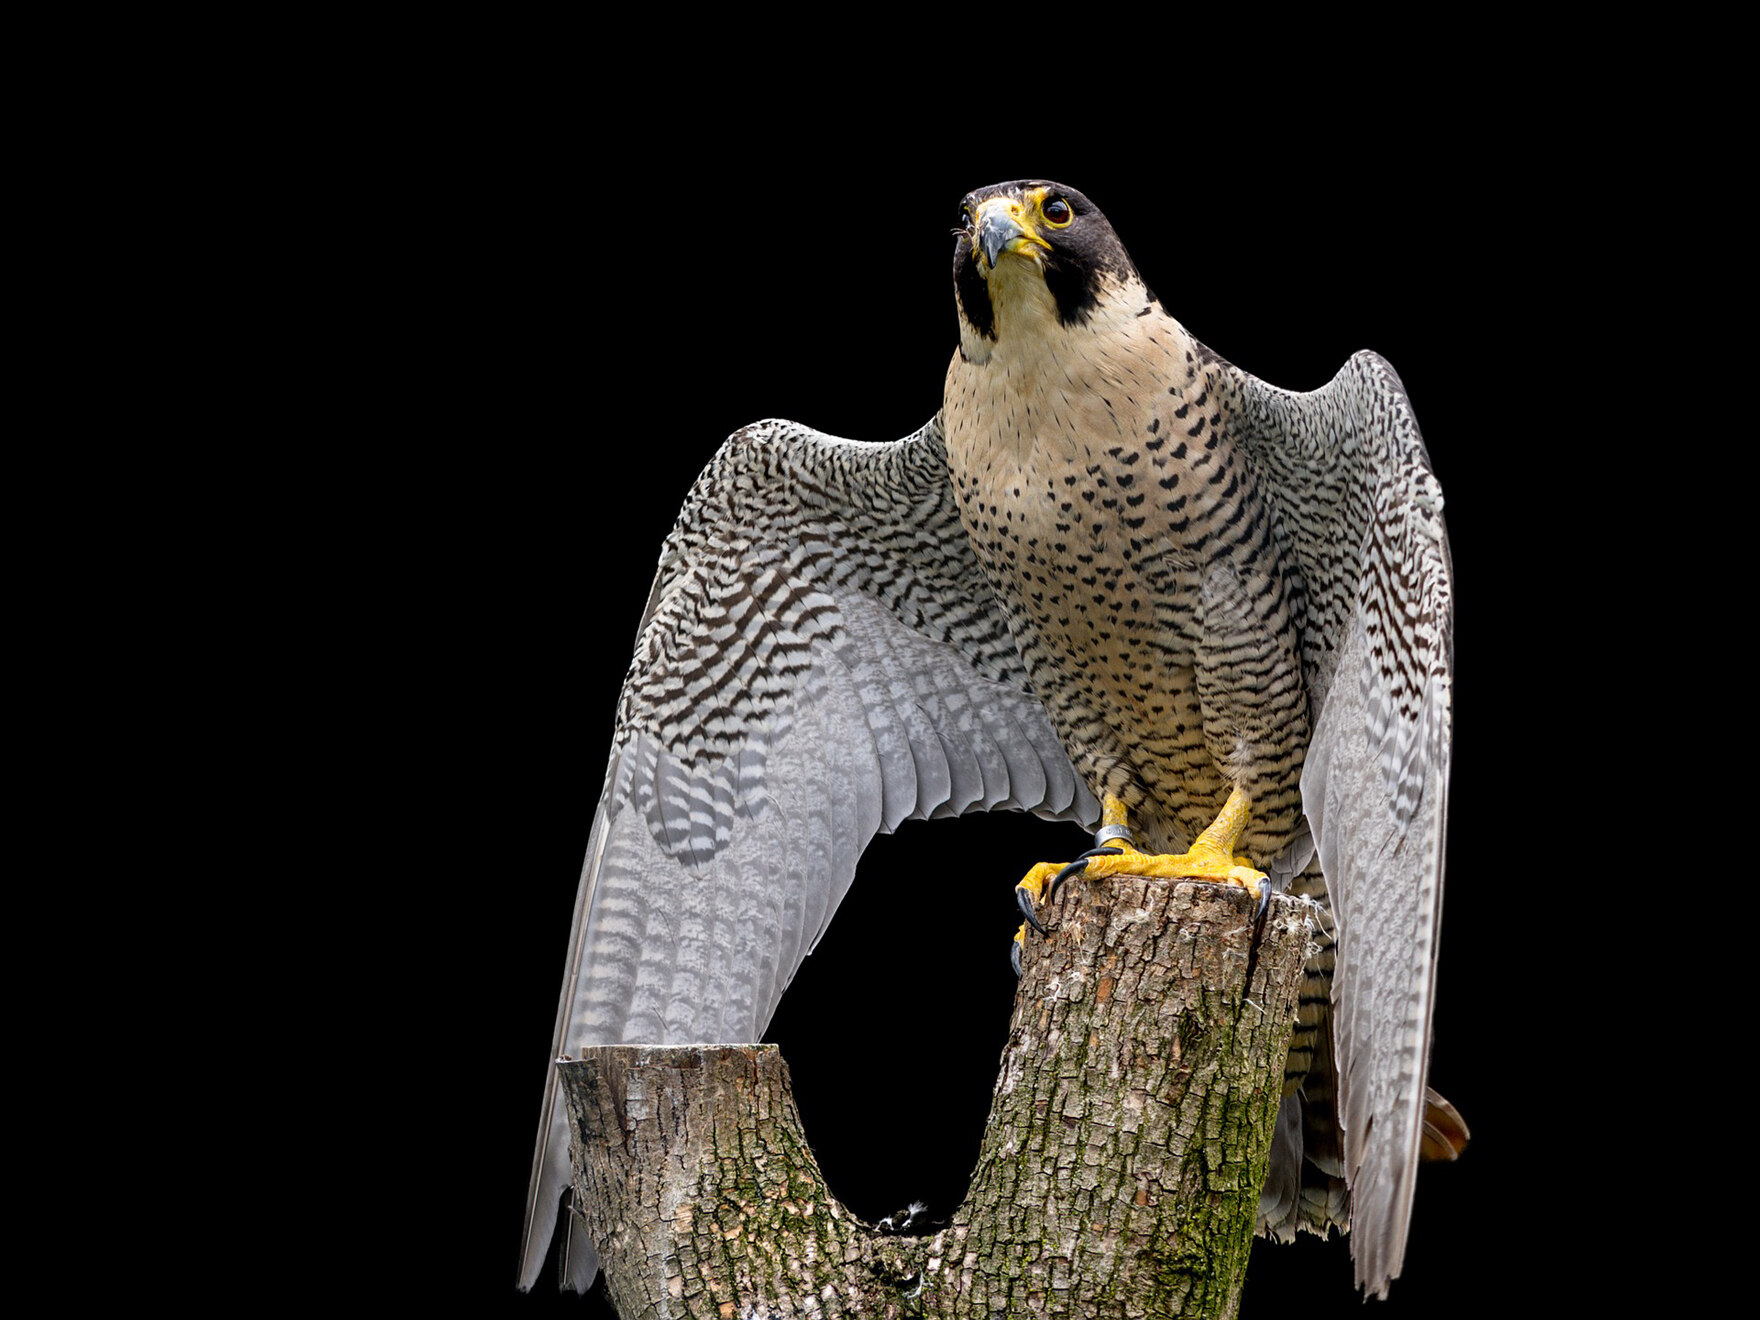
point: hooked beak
(1003, 227)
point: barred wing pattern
(1360, 513)
(820, 660)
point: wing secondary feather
(820, 660)
(1360, 513)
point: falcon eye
(1056, 212)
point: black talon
(1069, 872)
(1024, 901)
(1264, 899)
(1076, 867)
(1014, 958)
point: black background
(621, 282)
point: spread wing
(820, 659)
(1360, 514)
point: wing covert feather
(1359, 513)
(819, 661)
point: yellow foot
(1218, 865)
(1211, 857)
(1031, 890)
(1027, 894)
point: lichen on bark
(1120, 1168)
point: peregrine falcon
(1116, 579)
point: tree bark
(1120, 1168)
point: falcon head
(1032, 250)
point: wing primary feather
(819, 660)
(1358, 512)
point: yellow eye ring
(1057, 212)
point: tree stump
(1120, 1169)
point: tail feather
(1445, 1131)
(1305, 1188)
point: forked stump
(1120, 1167)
